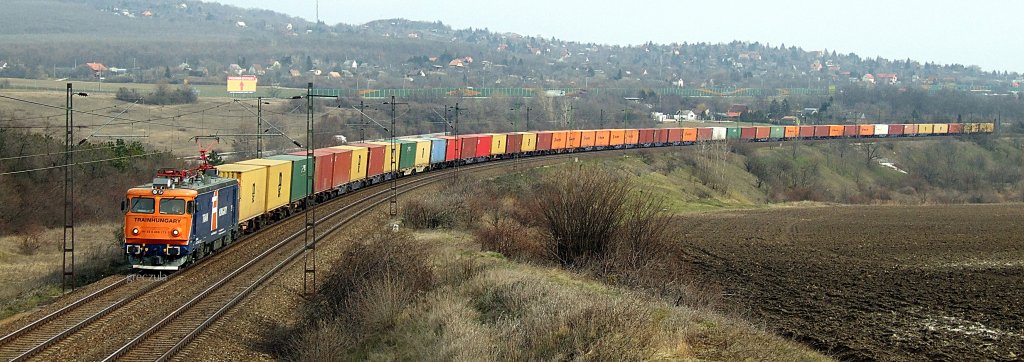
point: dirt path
(873, 282)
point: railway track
(97, 319)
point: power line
(129, 120)
(80, 163)
(57, 153)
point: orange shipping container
(558, 140)
(835, 131)
(792, 132)
(616, 137)
(689, 135)
(587, 139)
(573, 139)
(601, 138)
(866, 130)
(632, 136)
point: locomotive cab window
(172, 206)
(143, 205)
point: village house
(736, 110)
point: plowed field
(873, 282)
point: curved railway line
(162, 315)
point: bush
(581, 211)
(383, 270)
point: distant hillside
(174, 41)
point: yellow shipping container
(387, 154)
(252, 188)
(925, 128)
(529, 142)
(941, 128)
(987, 127)
(360, 157)
(422, 152)
(279, 181)
(498, 142)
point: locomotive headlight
(175, 232)
(135, 231)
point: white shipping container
(881, 129)
(717, 133)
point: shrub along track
(157, 301)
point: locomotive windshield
(143, 205)
(172, 206)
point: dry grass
(481, 306)
(30, 274)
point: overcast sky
(986, 33)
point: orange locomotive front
(178, 218)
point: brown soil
(873, 282)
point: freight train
(184, 215)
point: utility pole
(393, 206)
(458, 142)
(68, 276)
(259, 127)
(362, 123)
(309, 253)
(602, 118)
(527, 117)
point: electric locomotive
(178, 218)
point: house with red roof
(886, 78)
(97, 69)
(736, 110)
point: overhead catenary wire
(81, 163)
(130, 120)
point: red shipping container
(821, 131)
(647, 136)
(956, 128)
(849, 131)
(342, 166)
(705, 133)
(910, 129)
(661, 135)
(544, 141)
(762, 132)
(323, 167)
(895, 129)
(748, 133)
(675, 135)
(375, 158)
(514, 143)
(806, 131)
(451, 147)
(483, 145)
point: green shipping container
(406, 154)
(777, 132)
(732, 133)
(300, 167)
